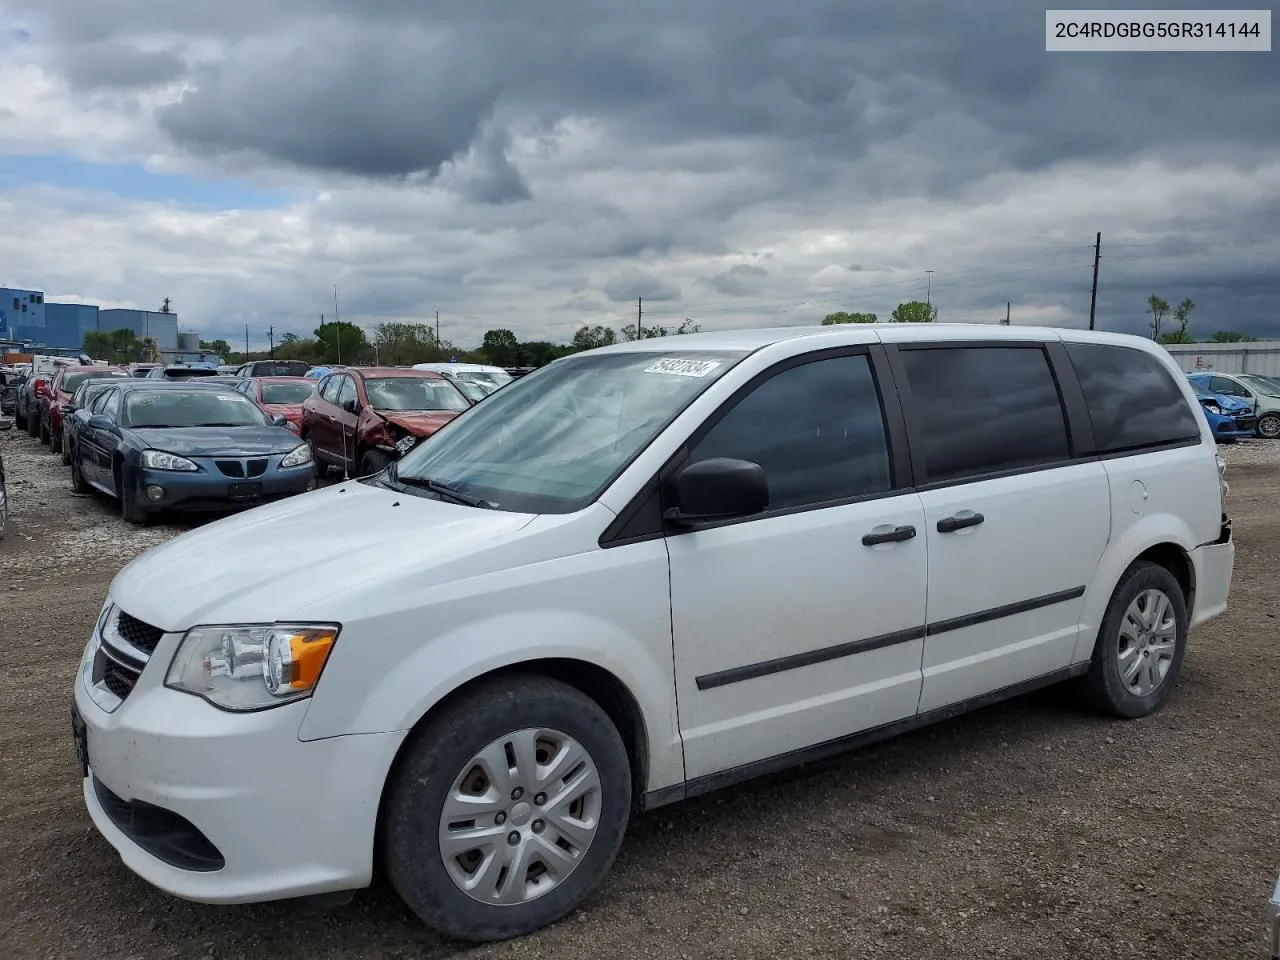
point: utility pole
(246, 341)
(271, 339)
(1093, 298)
(437, 329)
(929, 294)
(639, 315)
(337, 328)
(1008, 306)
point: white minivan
(638, 574)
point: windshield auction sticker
(683, 368)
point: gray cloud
(109, 65)
(633, 284)
(553, 162)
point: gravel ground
(1029, 829)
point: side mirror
(280, 421)
(349, 406)
(99, 422)
(721, 488)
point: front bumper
(211, 490)
(219, 807)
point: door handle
(896, 535)
(959, 522)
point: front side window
(413, 393)
(1133, 399)
(190, 408)
(983, 410)
(1227, 386)
(817, 430)
(329, 389)
(552, 441)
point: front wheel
(131, 510)
(1141, 644)
(507, 810)
(1269, 426)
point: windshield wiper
(441, 489)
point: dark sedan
(157, 445)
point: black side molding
(796, 660)
(808, 658)
(691, 788)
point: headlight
(252, 666)
(298, 456)
(159, 460)
(405, 444)
(1213, 408)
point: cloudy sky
(539, 166)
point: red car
(361, 419)
(280, 396)
(61, 389)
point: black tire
(131, 511)
(1103, 685)
(33, 424)
(1268, 426)
(44, 434)
(66, 449)
(77, 478)
(373, 461)
(55, 444)
(436, 756)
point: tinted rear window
(1133, 399)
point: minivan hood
(219, 441)
(421, 423)
(279, 561)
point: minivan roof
(855, 333)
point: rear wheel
(77, 478)
(507, 810)
(33, 424)
(1141, 644)
(45, 437)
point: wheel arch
(602, 686)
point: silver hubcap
(1269, 427)
(520, 816)
(1148, 637)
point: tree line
(1180, 317)
(393, 344)
(912, 311)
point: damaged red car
(279, 397)
(359, 420)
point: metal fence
(1261, 356)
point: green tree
(1230, 336)
(588, 338)
(341, 342)
(1182, 317)
(914, 311)
(538, 353)
(220, 347)
(404, 344)
(629, 332)
(1159, 309)
(117, 346)
(841, 316)
(500, 347)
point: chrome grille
(142, 635)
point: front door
(805, 623)
(1014, 529)
(346, 421)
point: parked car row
(1260, 394)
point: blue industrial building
(22, 314)
(67, 323)
(25, 318)
(144, 323)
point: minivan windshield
(552, 441)
(203, 407)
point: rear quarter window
(1134, 401)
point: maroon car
(361, 419)
(280, 396)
